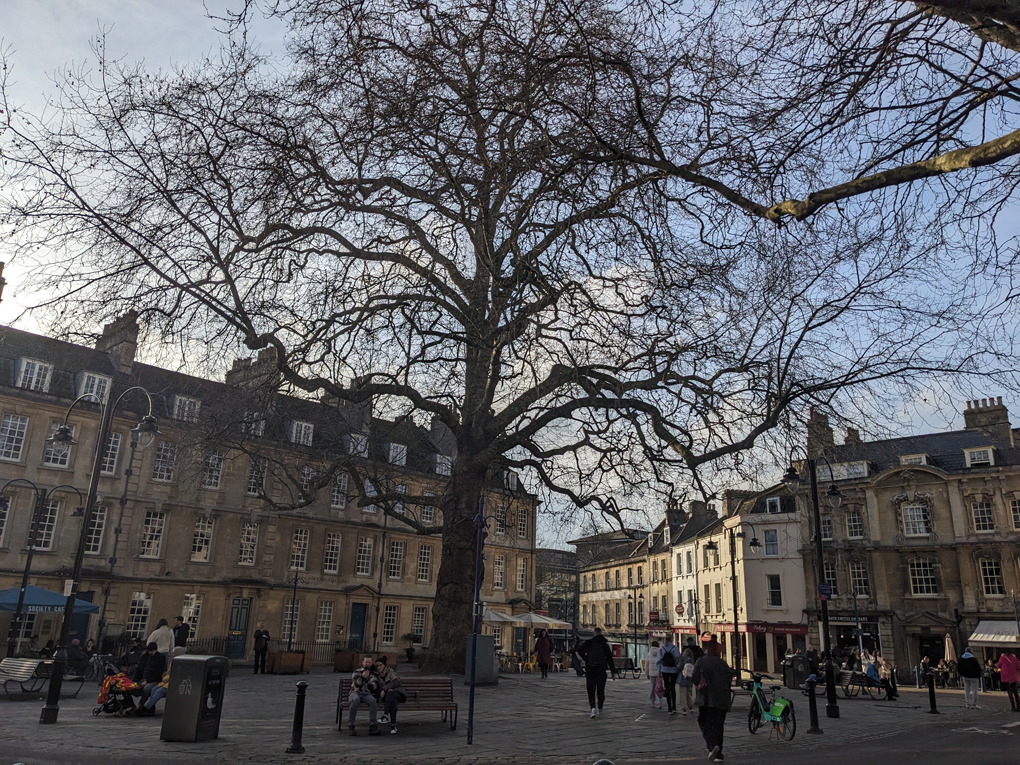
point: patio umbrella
(950, 649)
(537, 621)
(40, 601)
(495, 617)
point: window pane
(338, 495)
(249, 543)
(389, 624)
(771, 543)
(192, 613)
(854, 524)
(983, 520)
(152, 534)
(212, 471)
(922, 577)
(991, 577)
(256, 477)
(47, 524)
(499, 572)
(363, 564)
(291, 619)
(299, 550)
(331, 555)
(201, 543)
(57, 456)
(12, 437)
(859, 579)
(396, 568)
(109, 463)
(915, 520)
(138, 615)
(164, 460)
(324, 621)
(425, 563)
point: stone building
(556, 584)
(246, 492)
(927, 536)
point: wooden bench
(22, 672)
(45, 672)
(853, 682)
(424, 694)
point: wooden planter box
(343, 661)
(284, 663)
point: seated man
(149, 707)
(149, 671)
(392, 692)
(365, 687)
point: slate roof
(945, 450)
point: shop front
(763, 645)
(843, 629)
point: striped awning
(995, 634)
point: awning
(40, 601)
(994, 634)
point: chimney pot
(999, 400)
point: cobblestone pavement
(522, 720)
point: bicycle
(776, 710)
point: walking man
(598, 657)
(970, 670)
(713, 698)
(669, 664)
(261, 647)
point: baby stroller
(116, 697)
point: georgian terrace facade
(245, 490)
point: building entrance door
(931, 646)
(356, 634)
(761, 653)
(237, 629)
(781, 645)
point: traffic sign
(679, 609)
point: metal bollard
(812, 706)
(299, 720)
(931, 694)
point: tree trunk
(455, 582)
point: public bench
(45, 672)
(853, 683)
(424, 694)
(23, 672)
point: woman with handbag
(652, 668)
(712, 678)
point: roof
(616, 553)
(945, 450)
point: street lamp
(754, 544)
(634, 617)
(62, 440)
(41, 497)
(834, 496)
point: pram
(116, 697)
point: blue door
(356, 634)
(237, 630)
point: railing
(322, 653)
(214, 646)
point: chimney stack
(255, 374)
(819, 434)
(120, 341)
(991, 417)
(853, 436)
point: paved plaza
(522, 720)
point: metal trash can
(796, 674)
(487, 666)
(194, 698)
(788, 672)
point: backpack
(668, 659)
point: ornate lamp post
(62, 438)
(834, 497)
(634, 617)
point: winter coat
(363, 686)
(163, 637)
(597, 653)
(150, 668)
(1009, 667)
(969, 666)
(651, 665)
(717, 675)
(543, 647)
(672, 650)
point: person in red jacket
(1009, 677)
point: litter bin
(487, 666)
(795, 671)
(194, 698)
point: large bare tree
(418, 207)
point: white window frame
(500, 518)
(164, 461)
(34, 375)
(301, 433)
(153, 530)
(331, 552)
(418, 618)
(391, 615)
(522, 574)
(399, 507)
(395, 569)
(363, 561)
(860, 582)
(253, 425)
(982, 457)
(444, 465)
(855, 512)
(774, 533)
(396, 454)
(914, 459)
(338, 491)
(773, 506)
(522, 523)
(299, 549)
(424, 563)
(987, 525)
(370, 491)
(499, 572)
(918, 519)
(256, 485)
(138, 615)
(307, 480)
(829, 576)
(358, 445)
(46, 528)
(324, 621)
(212, 471)
(248, 545)
(201, 541)
(291, 619)
(510, 480)
(1014, 507)
(5, 511)
(95, 385)
(108, 466)
(428, 512)
(826, 530)
(191, 610)
(186, 408)
(923, 577)
(992, 583)
(12, 437)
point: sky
(42, 36)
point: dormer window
(843, 471)
(254, 425)
(35, 375)
(301, 433)
(914, 459)
(95, 385)
(186, 408)
(396, 454)
(358, 445)
(510, 480)
(773, 505)
(444, 465)
(980, 457)
(665, 535)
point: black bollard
(299, 720)
(812, 706)
(931, 694)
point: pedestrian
(712, 678)
(652, 668)
(991, 675)
(163, 636)
(182, 631)
(598, 658)
(543, 651)
(364, 689)
(261, 647)
(695, 649)
(683, 677)
(1009, 677)
(391, 694)
(576, 662)
(970, 670)
(669, 665)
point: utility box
(487, 664)
(194, 698)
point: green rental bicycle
(776, 710)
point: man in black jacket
(598, 657)
(150, 671)
(182, 631)
(970, 670)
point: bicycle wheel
(787, 725)
(754, 716)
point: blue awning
(40, 601)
